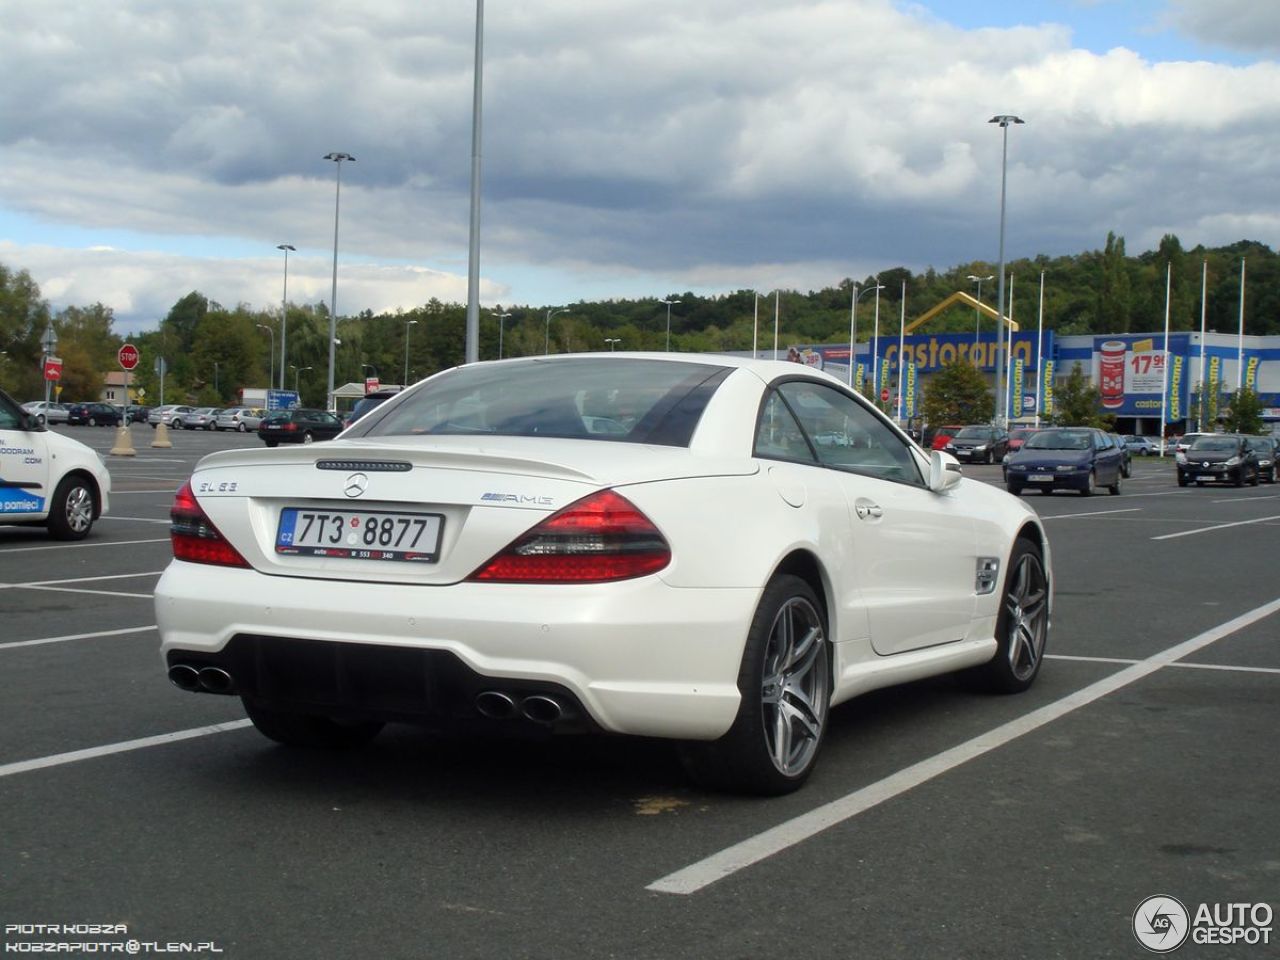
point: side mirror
(31, 423)
(944, 471)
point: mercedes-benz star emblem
(356, 484)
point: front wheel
(242, 428)
(1022, 626)
(1090, 485)
(307, 730)
(71, 511)
(785, 682)
(1015, 489)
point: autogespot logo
(1161, 924)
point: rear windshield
(628, 400)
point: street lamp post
(755, 328)
(546, 347)
(284, 306)
(337, 159)
(977, 312)
(669, 304)
(407, 325)
(875, 352)
(1004, 120)
(501, 317)
(271, 375)
(296, 373)
(611, 341)
(215, 385)
(853, 323)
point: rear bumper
(638, 657)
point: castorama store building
(1129, 370)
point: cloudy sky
(631, 147)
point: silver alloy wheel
(794, 687)
(79, 508)
(1027, 603)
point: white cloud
(689, 145)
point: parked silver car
(238, 418)
(46, 411)
(201, 418)
(171, 414)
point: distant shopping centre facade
(1128, 370)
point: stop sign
(128, 356)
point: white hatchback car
(641, 544)
(47, 478)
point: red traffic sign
(128, 356)
(371, 384)
(53, 368)
(884, 394)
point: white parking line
(73, 546)
(1272, 496)
(729, 861)
(1220, 526)
(76, 636)
(58, 759)
(1095, 513)
(1180, 665)
(104, 576)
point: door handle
(866, 511)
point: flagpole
(1164, 379)
(1040, 352)
(902, 337)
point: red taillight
(601, 537)
(290, 427)
(194, 536)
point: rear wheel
(785, 682)
(71, 511)
(1022, 627)
(308, 730)
(1115, 487)
(308, 438)
(241, 427)
(270, 443)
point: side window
(778, 436)
(848, 436)
(9, 415)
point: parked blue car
(1066, 458)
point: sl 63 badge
(217, 486)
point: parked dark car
(1218, 458)
(300, 425)
(1266, 449)
(1126, 467)
(93, 414)
(138, 414)
(1066, 458)
(979, 443)
(366, 403)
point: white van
(46, 478)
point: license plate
(359, 534)
(1041, 478)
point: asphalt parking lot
(939, 823)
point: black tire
(306, 730)
(177, 424)
(1255, 479)
(1022, 626)
(1182, 481)
(1239, 480)
(1091, 485)
(1014, 488)
(72, 510)
(785, 682)
(1114, 489)
(270, 443)
(308, 437)
(93, 421)
(241, 427)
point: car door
(24, 465)
(1108, 460)
(914, 552)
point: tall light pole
(546, 346)
(284, 306)
(271, 375)
(337, 159)
(611, 341)
(875, 351)
(1004, 120)
(755, 328)
(296, 373)
(407, 325)
(1204, 302)
(776, 295)
(501, 317)
(471, 350)
(215, 385)
(853, 324)
(669, 304)
(1240, 339)
(977, 312)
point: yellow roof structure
(958, 297)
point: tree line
(213, 351)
